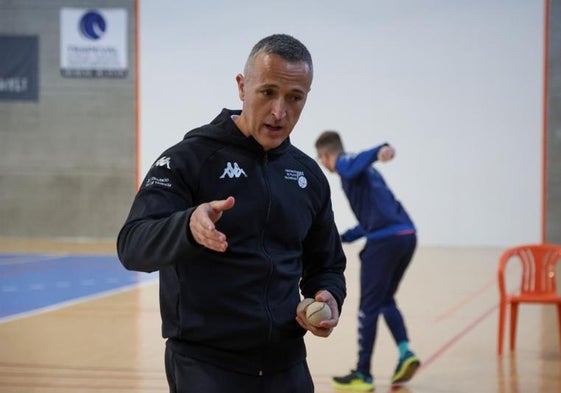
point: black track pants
(187, 375)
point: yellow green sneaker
(406, 368)
(356, 381)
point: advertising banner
(19, 68)
(93, 43)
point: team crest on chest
(298, 176)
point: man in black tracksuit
(239, 224)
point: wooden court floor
(112, 343)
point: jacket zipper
(265, 252)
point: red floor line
(426, 362)
(456, 338)
(464, 301)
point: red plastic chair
(538, 283)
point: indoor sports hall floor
(73, 320)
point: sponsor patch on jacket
(158, 181)
(291, 174)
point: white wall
(455, 86)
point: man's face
(327, 159)
(273, 92)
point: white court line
(77, 300)
(31, 259)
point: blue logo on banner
(92, 25)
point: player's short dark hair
(330, 140)
(283, 45)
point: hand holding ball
(304, 304)
(315, 311)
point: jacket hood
(223, 129)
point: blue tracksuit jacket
(377, 210)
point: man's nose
(279, 108)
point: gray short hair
(283, 45)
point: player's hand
(326, 327)
(386, 153)
(202, 222)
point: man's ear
(241, 85)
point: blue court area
(31, 282)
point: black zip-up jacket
(235, 309)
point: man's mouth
(273, 128)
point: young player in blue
(389, 248)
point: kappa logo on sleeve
(163, 161)
(232, 171)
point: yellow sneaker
(406, 368)
(354, 381)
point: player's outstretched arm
(386, 153)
